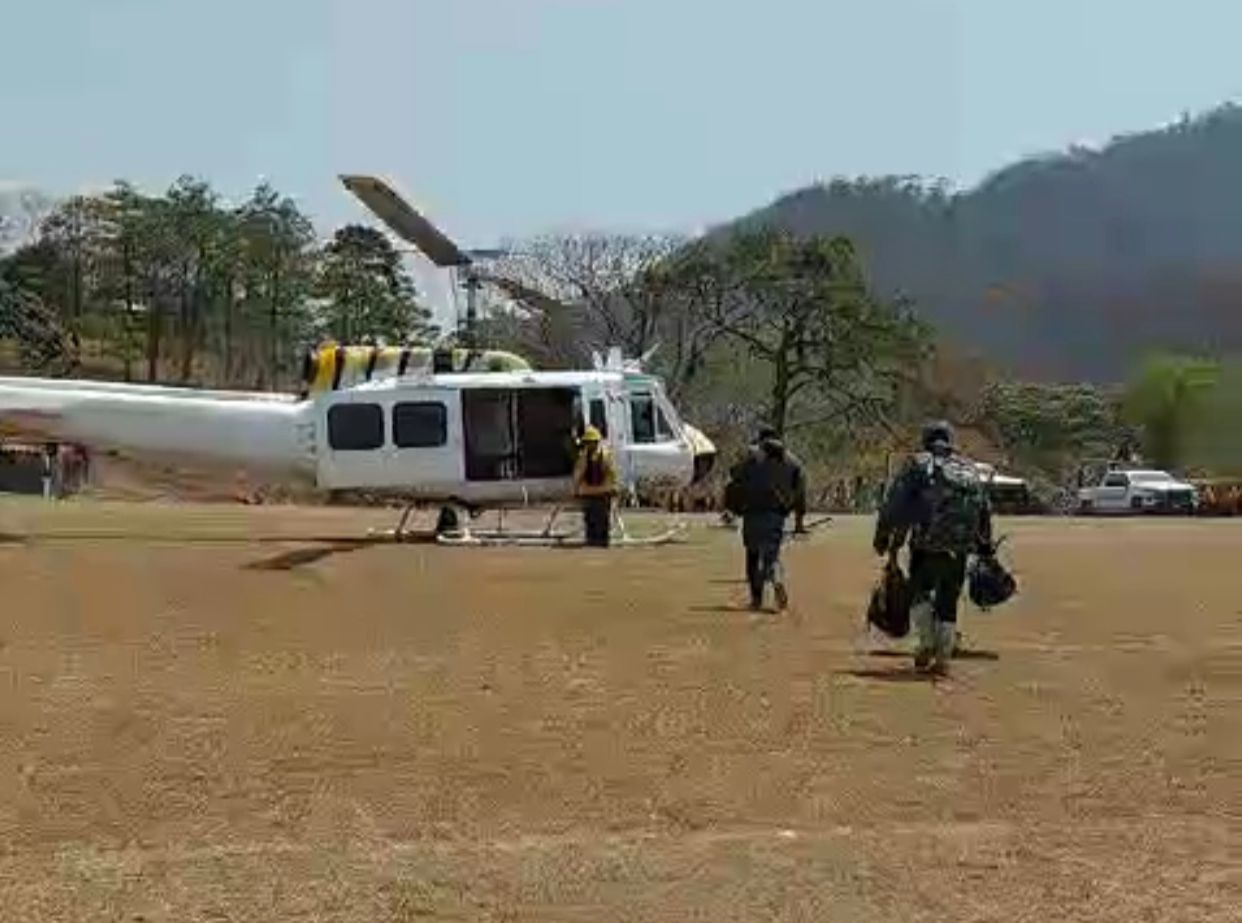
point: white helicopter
(462, 430)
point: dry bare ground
(202, 718)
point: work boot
(925, 637)
(946, 634)
(959, 645)
(781, 594)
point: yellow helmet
(591, 434)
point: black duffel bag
(889, 607)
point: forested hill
(1065, 266)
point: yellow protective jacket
(595, 473)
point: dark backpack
(953, 499)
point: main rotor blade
(477, 253)
(388, 205)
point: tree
(73, 232)
(609, 284)
(218, 293)
(22, 212)
(1166, 401)
(1054, 427)
(277, 267)
(1214, 443)
(367, 296)
(833, 353)
(41, 341)
(121, 279)
(194, 225)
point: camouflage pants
(937, 576)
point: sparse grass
(421, 733)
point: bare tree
(604, 282)
(22, 212)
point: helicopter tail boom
(249, 431)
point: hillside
(1063, 266)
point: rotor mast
(411, 226)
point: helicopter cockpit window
(421, 425)
(355, 427)
(643, 418)
(664, 430)
(648, 420)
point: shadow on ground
(301, 557)
(971, 654)
(897, 675)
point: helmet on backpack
(989, 583)
(937, 436)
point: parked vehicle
(1009, 495)
(1138, 490)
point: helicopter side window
(355, 427)
(420, 425)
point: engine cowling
(332, 367)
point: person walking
(940, 503)
(764, 488)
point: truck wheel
(1085, 507)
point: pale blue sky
(503, 117)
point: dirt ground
(203, 717)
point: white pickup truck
(1138, 490)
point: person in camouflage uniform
(938, 501)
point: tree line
(183, 287)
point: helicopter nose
(704, 462)
(704, 451)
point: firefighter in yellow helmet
(595, 482)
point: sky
(503, 118)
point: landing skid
(548, 538)
(455, 530)
(561, 540)
(461, 534)
(446, 518)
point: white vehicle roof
(456, 380)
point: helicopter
(465, 429)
